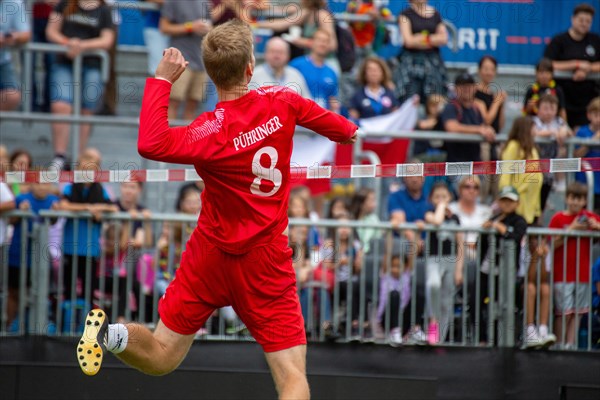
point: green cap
(509, 192)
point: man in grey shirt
(276, 71)
(186, 22)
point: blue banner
(512, 31)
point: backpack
(346, 49)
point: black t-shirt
(456, 151)
(562, 48)
(137, 224)
(488, 100)
(419, 24)
(447, 238)
(556, 91)
(517, 228)
(84, 24)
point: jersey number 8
(261, 173)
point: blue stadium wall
(46, 368)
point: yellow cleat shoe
(90, 349)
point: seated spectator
(320, 78)
(572, 279)
(462, 116)
(444, 263)
(424, 149)
(14, 31)
(592, 132)
(507, 225)
(338, 207)
(362, 208)
(20, 160)
(79, 26)
(276, 71)
(38, 199)
(82, 235)
(549, 125)
(186, 23)
(375, 94)
(544, 84)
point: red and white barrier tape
(319, 172)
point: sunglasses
(476, 187)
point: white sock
(543, 329)
(116, 338)
(530, 329)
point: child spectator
(338, 207)
(508, 226)
(342, 253)
(544, 84)
(365, 32)
(549, 125)
(592, 132)
(521, 146)
(424, 149)
(39, 198)
(394, 292)
(444, 264)
(362, 208)
(20, 160)
(299, 208)
(572, 278)
(122, 242)
(82, 235)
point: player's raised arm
(156, 140)
(327, 123)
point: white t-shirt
(5, 195)
(474, 220)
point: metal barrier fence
(390, 289)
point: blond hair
(594, 105)
(226, 52)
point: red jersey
(242, 151)
(562, 220)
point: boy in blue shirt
(39, 198)
(591, 131)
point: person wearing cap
(462, 116)
(507, 225)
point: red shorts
(260, 285)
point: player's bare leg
(288, 368)
(153, 353)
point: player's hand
(172, 65)
(352, 139)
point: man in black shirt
(461, 116)
(577, 51)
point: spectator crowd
(428, 264)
